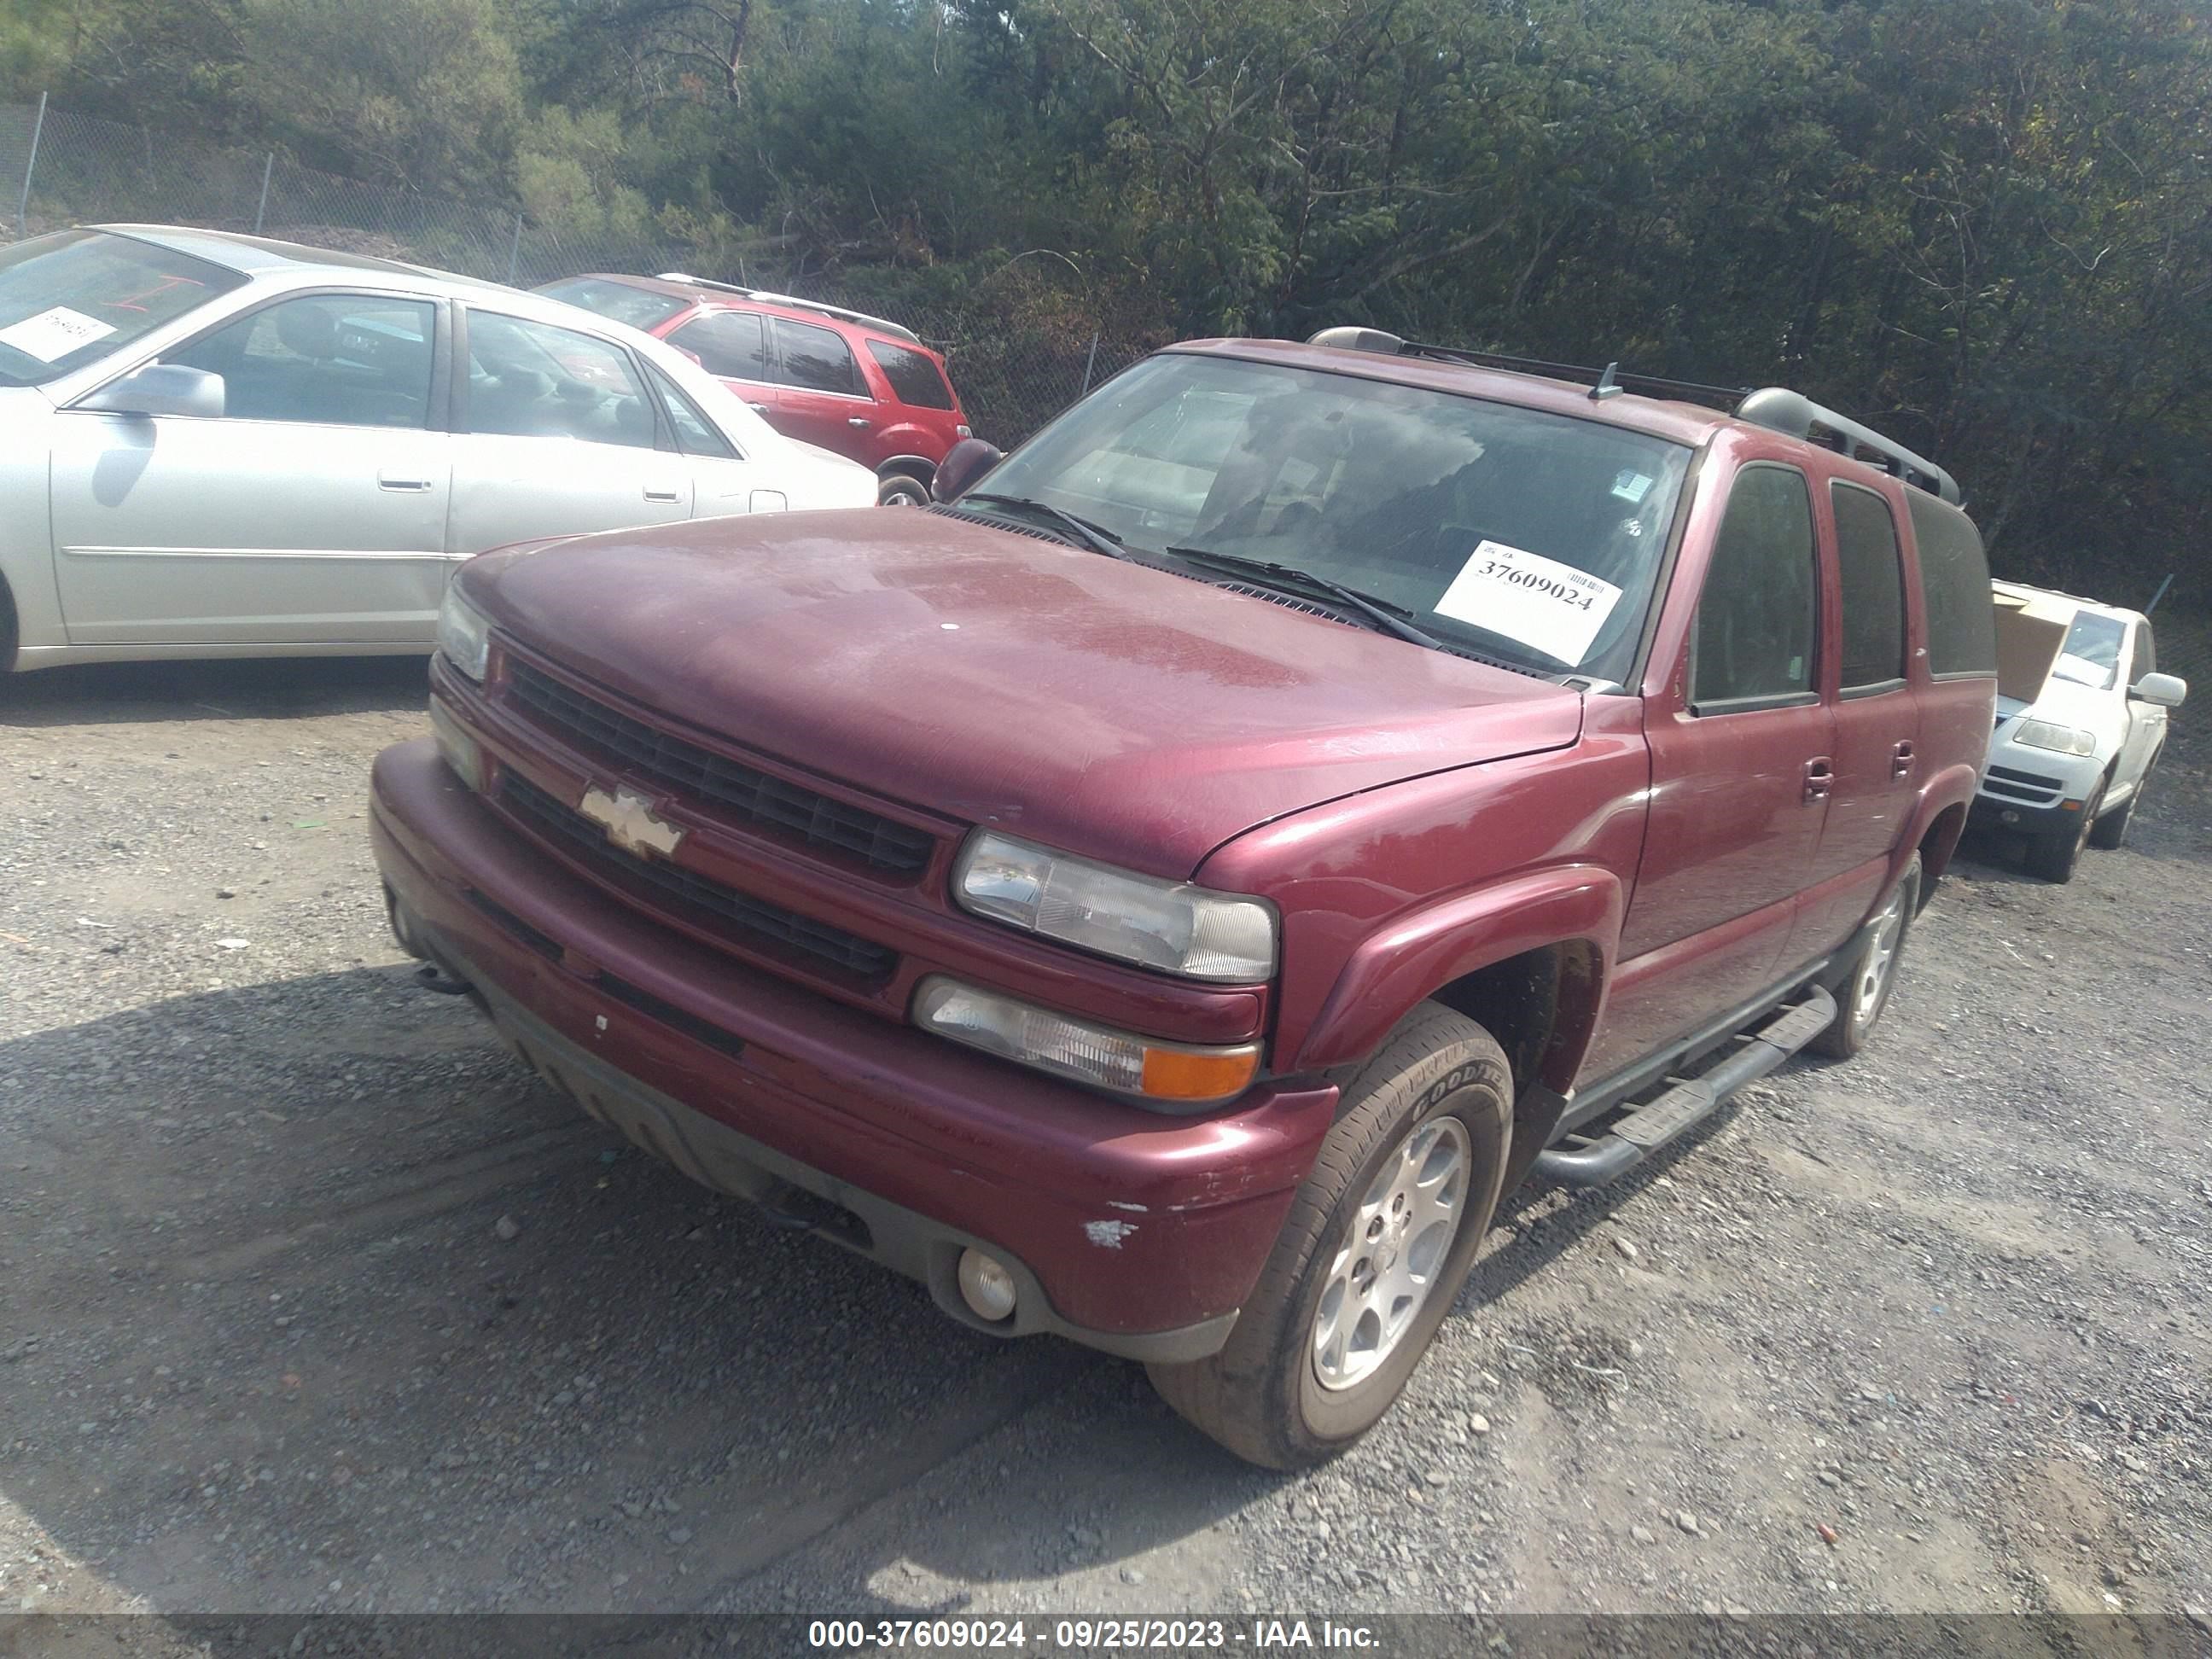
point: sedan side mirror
(2167, 690)
(160, 389)
(962, 467)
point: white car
(2081, 715)
(216, 445)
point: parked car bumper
(2034, 790)
(1132, 1232)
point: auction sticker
(1548, 606)
(54, 334)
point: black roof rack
(1776, 408)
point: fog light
(986, 1286)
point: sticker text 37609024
(1547, 605)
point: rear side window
(1954, 588)
(727, 344)
(915, 378)
(1759, 614)
(695, 433)
(1873, 588)
(816, 359)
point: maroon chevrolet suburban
(1165, 893)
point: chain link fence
(1019, 349)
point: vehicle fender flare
(1419, 952)
(1950, 790)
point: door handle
(1900, 761)
(1820, 778)
(757, 409)
(858, 422)
(670, 496)
(400, 481)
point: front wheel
(2053, 857)
(899, 489)
(1378, 1241)
(2111, 830)
(1862, 996)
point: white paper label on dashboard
(1548, 606)
(54, 334)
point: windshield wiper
(1382, 612)
(1096, 537)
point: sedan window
(327, 359)
(70, 299)
(695, 433)
(531, 380)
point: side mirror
(2167, 690)
(160, 389)
(962, 467)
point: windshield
(2091, 655)
(640, 307)
(73, 298)
(1516, 534)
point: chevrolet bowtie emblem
(629, 821)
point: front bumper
(2034, 791)
(1132, 1232)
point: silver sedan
(220, 446)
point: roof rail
(1776, 408)
(1604, 383)
(767, 298)
(1780, 409)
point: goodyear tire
(1378, 1243)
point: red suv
(839, 380)
(1166, 894)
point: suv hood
(1098, 706)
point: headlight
(2046, 735)
(1169, 1073)
(463, 633)
(457, 746)
(1167, 925)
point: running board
(1642, 1129)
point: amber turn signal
(1199, 1073)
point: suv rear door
(1876, 714)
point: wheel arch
(1528, 958)
(10, 626)
(919, 467)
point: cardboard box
(2030, 630)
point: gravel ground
(311, 1299)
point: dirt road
(310, 1298)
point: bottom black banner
(1401, 1635)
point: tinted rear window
(640, 307)
(1873, 588)
(1954, 586)
(72, 299)
(915, 378)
